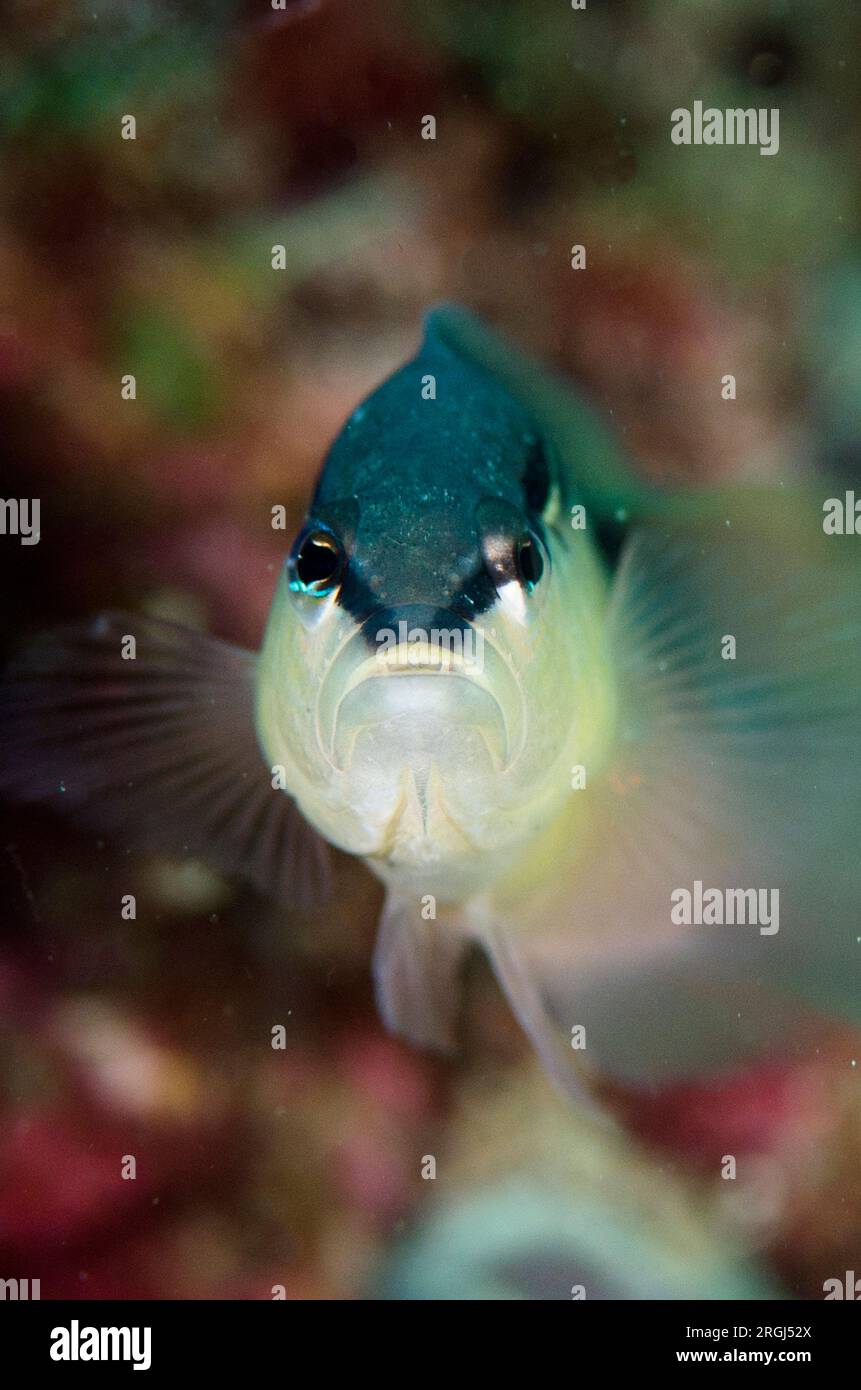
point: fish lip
(352, 667)
(402, 663)
(431, 661)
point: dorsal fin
(594, 461)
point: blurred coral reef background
(301, 126)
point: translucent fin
(416, 974)
(596, 467)
(740, 774)
(523, 991)
(158, 752)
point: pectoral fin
(156, 749)
(738, 653)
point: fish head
(423, 678)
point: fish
(541, 697)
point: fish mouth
(421, 696)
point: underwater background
(307, 1169)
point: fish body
(540, 698)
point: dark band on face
(535, 480)
(474, 597)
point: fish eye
(513, 557)
(530, 564)
(316, 563)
